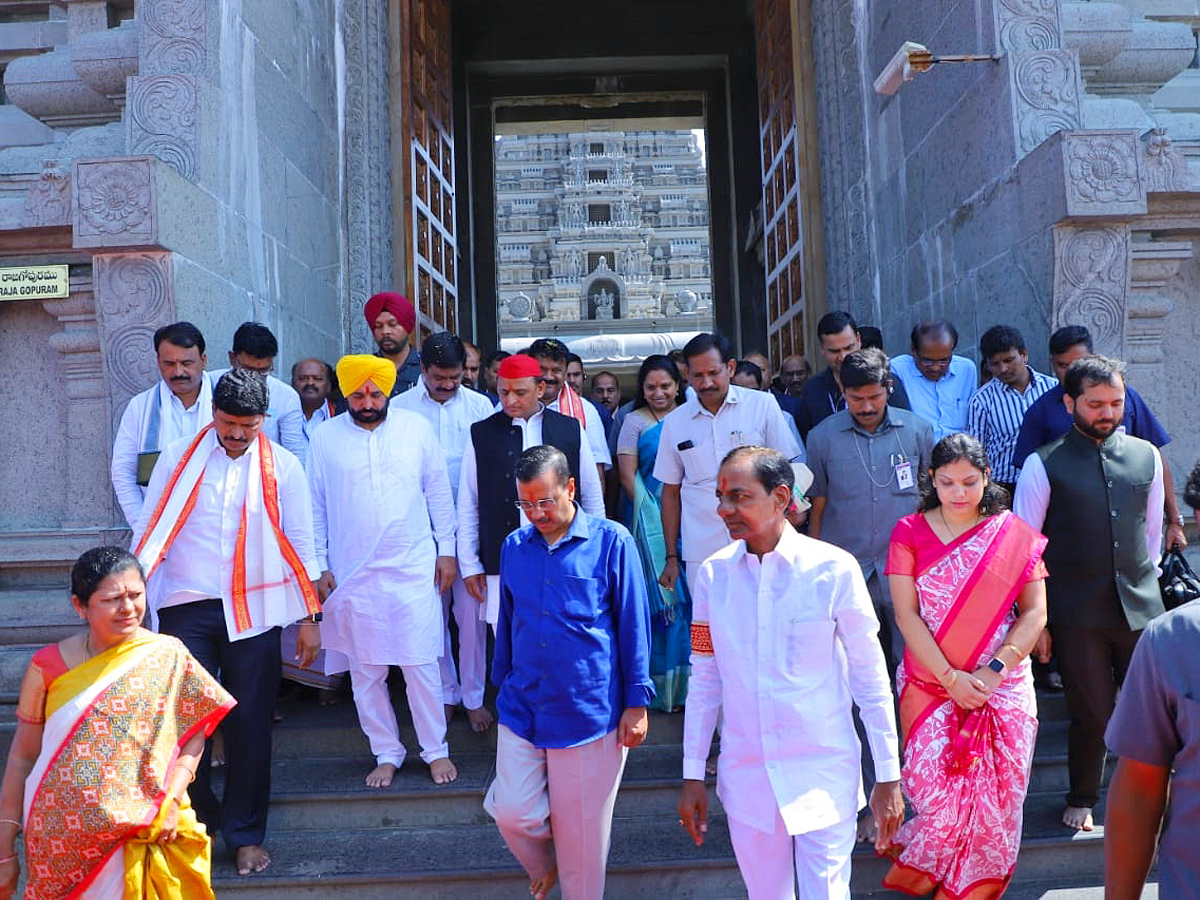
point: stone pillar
(367, 163)
(84, 472)
(1154, 263)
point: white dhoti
(387, 612)
(554, 807)
(772, 865)
(464, 683)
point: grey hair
(770, 466)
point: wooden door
(426, 137)
(790, 193)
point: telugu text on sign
(34, 283)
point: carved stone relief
(1091, 281)
(114, 203)
(134, 297)
(162, 117)
(1165, 168)
(1028, 25)
(48, 200)
(1154, 263)
(174, 37)
(1103, 173)
(1045, 96)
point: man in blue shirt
(573, 667)
(939, 383)
(1047, 419)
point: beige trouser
(554, 808)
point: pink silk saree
(965, 772)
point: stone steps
(331, 835)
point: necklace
(87, 648)
(950, 530)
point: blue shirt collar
(577, 530)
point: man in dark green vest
(1097, 494)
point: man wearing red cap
(391, 318)
(487, 510)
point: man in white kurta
(451, 409)
(783, 639)
(383, 525)
(177, 406)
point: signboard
(34, 283)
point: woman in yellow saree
(110, 727)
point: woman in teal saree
(659, 391)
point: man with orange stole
(226, 540)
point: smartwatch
(997, 665)
(315, 618)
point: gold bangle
(11, 822)
(953, 678)
(8, 859)
(177, 801)
(1015, 649)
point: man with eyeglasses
(487, 489)
(573, 668)
(939, 384)
(254, 350)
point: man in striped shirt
(995, 410)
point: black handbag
(1178, 583)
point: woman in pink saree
(967, 580)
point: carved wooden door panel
(427, 131)
(788, 160)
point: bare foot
(1078, 817)
(218, 749)
(328, 697)
(442, 771)
(710, 764)
(450, 708)
(481, 720)
(539, 888)
(866, 832)
(251, 858)
(381, 776)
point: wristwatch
(997, 665)
(315, 618)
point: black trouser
(250, 670)
(1092, 662)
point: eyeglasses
(543, 504)
(934, 363)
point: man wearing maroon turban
(392, 319)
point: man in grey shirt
(865, 461)
(1155, 730)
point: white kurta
(794, 640)
(382, 513)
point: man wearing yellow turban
(356, 370)
(384, 527)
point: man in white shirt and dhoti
(783, 640)
(178, 406)
(383, 519)
(451, 408)
(225, 538)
